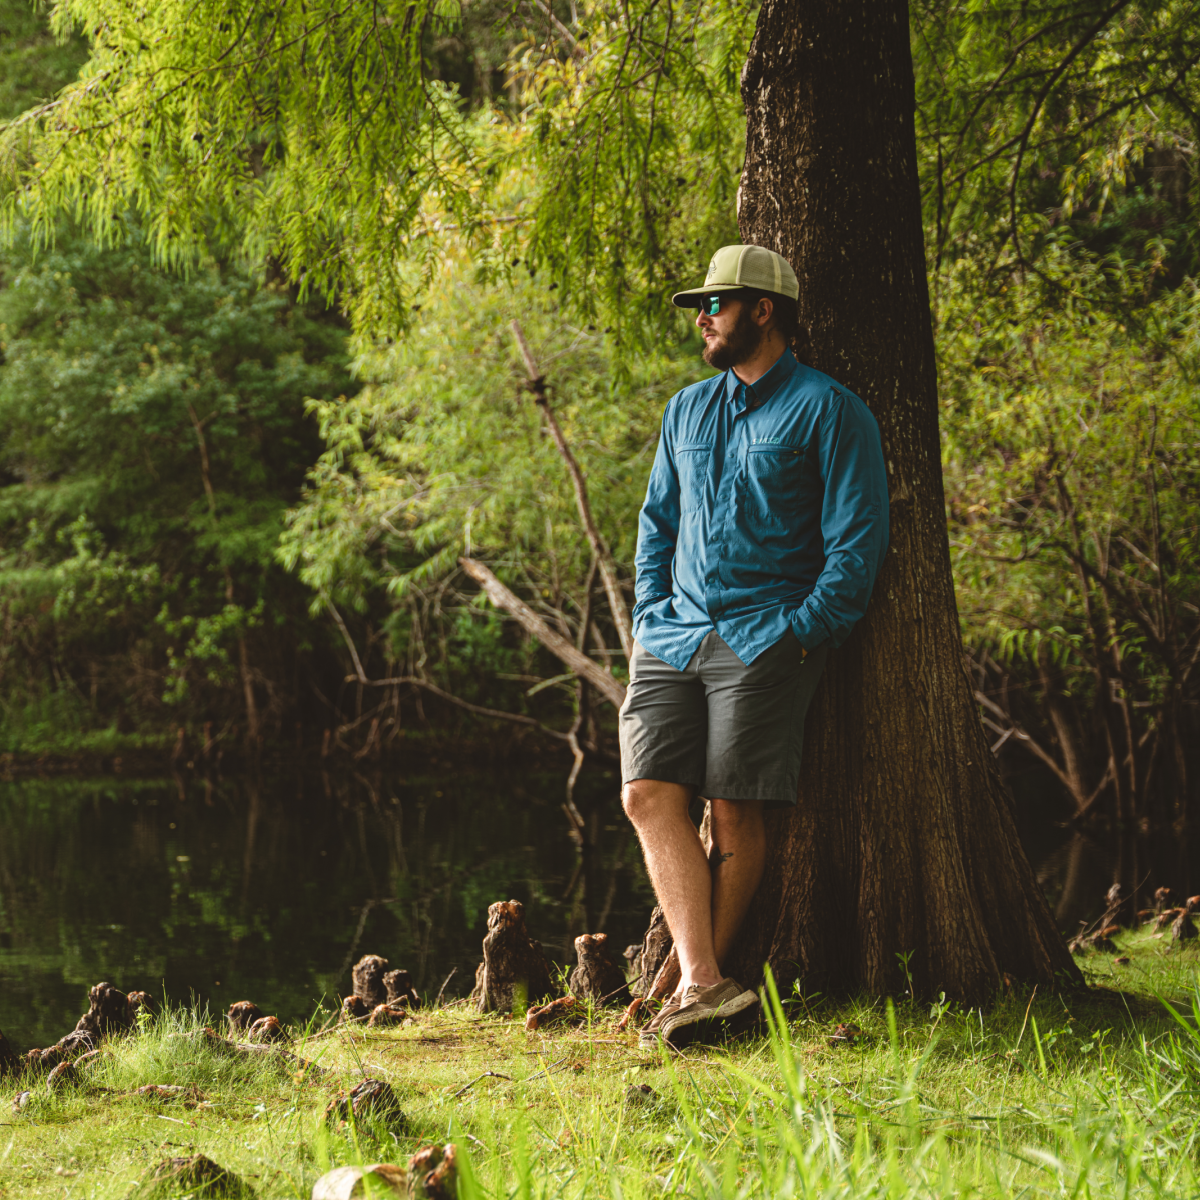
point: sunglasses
(710, 305)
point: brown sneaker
(704, 1011)
(650, 1037)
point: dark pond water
(267, 887)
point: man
(763, 529)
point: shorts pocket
(691, 462)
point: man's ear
(765, 306)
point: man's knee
(648, 800)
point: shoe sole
(651, 1039)
(681, 1033)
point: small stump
(1184, 929)
(598, 977)
(400, 991)
(654, 951)
(368, 976)
(242, 1014)
(349, 1183)
(196, 1175)
(386, 1014)
(354, 1008)
(432, 1173)
(63, 1076)
(845, 1035)
(514, 966)
(641, 1095)
(553, 1013)
(1165, 919)
(108, 1013)
(373, 1099)
(41, 1061)
(267, 1029)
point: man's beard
(739, 346)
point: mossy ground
(1077, 1094)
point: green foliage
(1081, 115)
(153, 435)
(445, 453)
(34, 64)
(316, 134)
(440, 169)
(1073, 480)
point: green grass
(1072, 1095)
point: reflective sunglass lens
(710, 305)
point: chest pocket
(773, 477)
(692, 464)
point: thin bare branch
(604, 558)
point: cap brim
(691, 298)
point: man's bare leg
(738, 855)
(679, 871)
(704, 899)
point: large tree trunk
(903, 839)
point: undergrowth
(1083, 1093)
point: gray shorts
(731, 731)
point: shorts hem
(660, 777)
(768, 796)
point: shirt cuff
(809, 629)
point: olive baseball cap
(735, 267)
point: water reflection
(267, 887)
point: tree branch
(604, 558)
(496, 714)
(1014, 730)
(611, 689)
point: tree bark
(903, 839)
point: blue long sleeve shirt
(767, 509)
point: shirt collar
(763, 388)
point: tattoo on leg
(722, 857)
